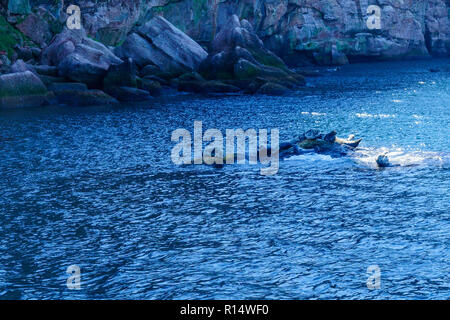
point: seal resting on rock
(310, 141)
(315, 141)
(327, 143)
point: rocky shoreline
(42, 62)
(74, 69)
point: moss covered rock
(22, 89)
(19, 6)
(10, 37)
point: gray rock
(24, 53)
(294, 29)
(47, 70)
(150, 70)
(61, 46)
(239, 55)
(129, 94)
(153, 87)
(244, 69)
(160, 43)
(36, 28)
(36, 53)
(80, 69)
(169, 41)
(338, 58)
(273, 89)
(4, 60)
(21, 66)
(68, 86)
(19, 6)
(106, 53)
(48, 80)
(215, 86)
(137, 48)
(191, 76)
(75, 97)
(162, 81)
(121, 75)
(79, 58)
(22, 89)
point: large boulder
(36, 28)
(121, 75)
(137, 48)
(79, 68)
(22, 89)
(79, 58)
(238, 54)
(160, 43)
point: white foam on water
(399, 157)
(316, 160)
(368, 115)
(312, 157)
(366, 157)
(313, 113)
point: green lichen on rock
(19, 6)
(9, 37)
(268, 59)
(199, 8)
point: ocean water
(95, 187)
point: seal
(383, 162)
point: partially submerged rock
(322, 143)
(273, 89)
(82, 97)
(152, 86)
(130, 94)
(215, 86)
(306, 143)
(80, 68)
(22, 89)
(121, 75)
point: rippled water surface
(95, 187)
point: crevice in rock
(428, 41)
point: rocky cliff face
(300, 31)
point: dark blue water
(95, 187)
